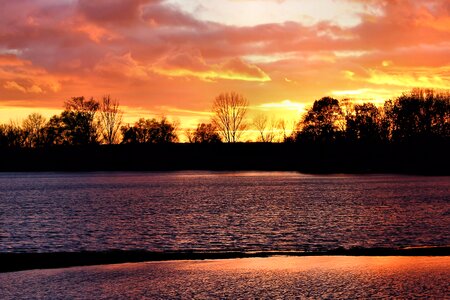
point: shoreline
(413, 159)
(13, 262)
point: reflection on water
(267, 278)
(220, 211)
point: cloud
(12, 85)
(96, 33)
(421, 77)
(112, 11)
(21, 76)
(122, 66)
(9, 60)
(192, 64)
(166, 15)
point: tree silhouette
(11, 135)
(364, 123)
(150, 131)
(79, 121)
(204, 134)
(76, 125)
(322, 122)
(110, 120)
(267, 128)
(33, 128)
(163, 131)
(419, 115)
(55, 132)
(289, 130)
(229, 115)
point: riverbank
(277, 277)
(415, 158)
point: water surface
(260, 278)
(244, 211)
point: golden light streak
(212, 75)
(437, 78)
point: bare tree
(267, 128)
(110, 120)
(229, 112)
(288, 129)
(189, 133)
(33, 127)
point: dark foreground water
(260, 278)
(46, 212)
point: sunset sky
(173, 57)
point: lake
(220, 211)
(333, 277)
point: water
(254, 278)
(244, 211)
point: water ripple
(45, 212)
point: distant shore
(11, 262)
(418, 158)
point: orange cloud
(21, 76)
(12, 85)
(184, 64)
(122, 66)
(95, 32)
(421, 77)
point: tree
(110, 120)
(150, 131)
(364, 123)
(419, 115)
(55, 132)
(76, 125)
(289, 130)
(11, 135)
(266, 128)
(139, 133)
(163, 131)
(229, 115)
(322, 122)
(204, 134)
(33, 127)
(79, 121)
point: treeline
(85, 122)
(417, 116)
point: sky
(173, 57)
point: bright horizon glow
(173, 57)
